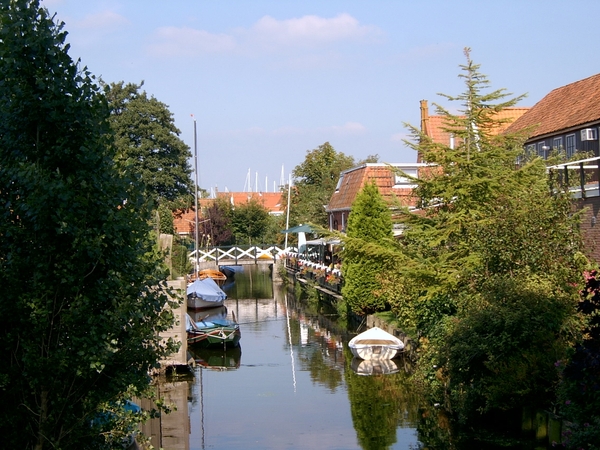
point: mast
(196, 196)
(287, 219)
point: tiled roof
(436, 124)
(569, 106)
(270, 200)
(354, 179)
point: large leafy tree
(314, 183)
(488, 270)
(82, 301)
(148, 140)
(369, 223)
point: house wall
(590, 226)
(591, 147)
(338, 220)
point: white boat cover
(375, 343)
(207, 289)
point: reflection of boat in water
(217, 358)
(203, 294)
(215, 333)
(374, 366)
(375, 343)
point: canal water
(292, 384)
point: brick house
(568, 120)
(184, 220)
(394, 188)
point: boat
(203, 294)
(375, 343)
(230, 271)
(216, 275)
(215, 333)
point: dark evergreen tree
(82, 303)
(488, 270)
(369, 224)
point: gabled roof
(352, 181)
(570, 106)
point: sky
(268, 81)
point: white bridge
(239, 255)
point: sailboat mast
(196, 197)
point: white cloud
(173, 41)
(349, 128)
(103, 21)
(309, 31)
(265, 36)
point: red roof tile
(354, 179)
(573, 105)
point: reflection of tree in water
(379, 405)
(253, 282)
(321, 371)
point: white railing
(239, 254)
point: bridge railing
(239, 254)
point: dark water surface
(292, 384)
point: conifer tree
(369, 224)
(488, 269)
(82, 302)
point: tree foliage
(370, 223)
(314, 183)
(218, 226)
(82, 300)
(148, 140)
(488, 269)
(249, 222)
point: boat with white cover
(375, 343)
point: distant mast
(196, 194)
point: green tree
(369, 223)
(250, 221)
(82, 301)
(147, 138)
(217, 223)
(314, 183)
(489, 269)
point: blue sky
(269, 80)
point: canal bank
(533, 428)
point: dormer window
(339, 184)
(401, 180)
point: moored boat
(216, 275)
(215, 333)
(204, 294)
(375, 343)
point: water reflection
(297, 385)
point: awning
(299, 229)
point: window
(557, 144)
(530, 150)
(339, 183)
(570, 145)
(402, 180)
(542, 150)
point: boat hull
(215, 337)
(198, 303)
